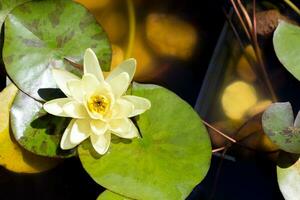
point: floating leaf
(35, 130)
(288, 180)
(170, 159)
(8, 5)
(278, 123)
(39, 39)
(108, 195)
(286, 42)
(12, 156)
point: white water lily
(98, 106)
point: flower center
(98, 104)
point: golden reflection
(259, 107)
(94, 4)
(117, 56)
(169, 35)
(244, 68)
(237, 98)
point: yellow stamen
(98, 104)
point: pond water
(172, 41)
(174, 44)
(239, 95)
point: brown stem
(245, 13)
(240, 18)
(259, 55)
(218, 149)
(235, 32)
(253, 38)
(234, 141)
(249, 58)
(219, 132)
(74, 64)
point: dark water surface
(244, 179)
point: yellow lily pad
(12, 156)
(237, 99)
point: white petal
(65, 142)
(140, 104)
(120, 126)
(80, 131)
(124, 128)
(55, 107)
(75, 109)
(119, 84)
(61, 78)
(101, 142)
(91, 65)
(90, 84)
(98, 127)
(76, 89)
(128, 66)
(122, 108)
(133, 132)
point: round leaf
(8, 5)
(41, 35)
(35, 130)
(108, 195)
(170, 159)
(286, 42)
(288, 180)
(278, 124)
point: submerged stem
(219, 132)
(240, 18)
(131, 35)
(235, 142)
(251, 27)
(292, 6)
(218, 149)
(259, 55)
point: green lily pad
(37, 131)
(41, 35)
(108, 195)
(6, 6)
(278, 123)
(288, 180)
(170, 159)
(286, 42)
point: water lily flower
(99, 107)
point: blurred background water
(174, 42)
